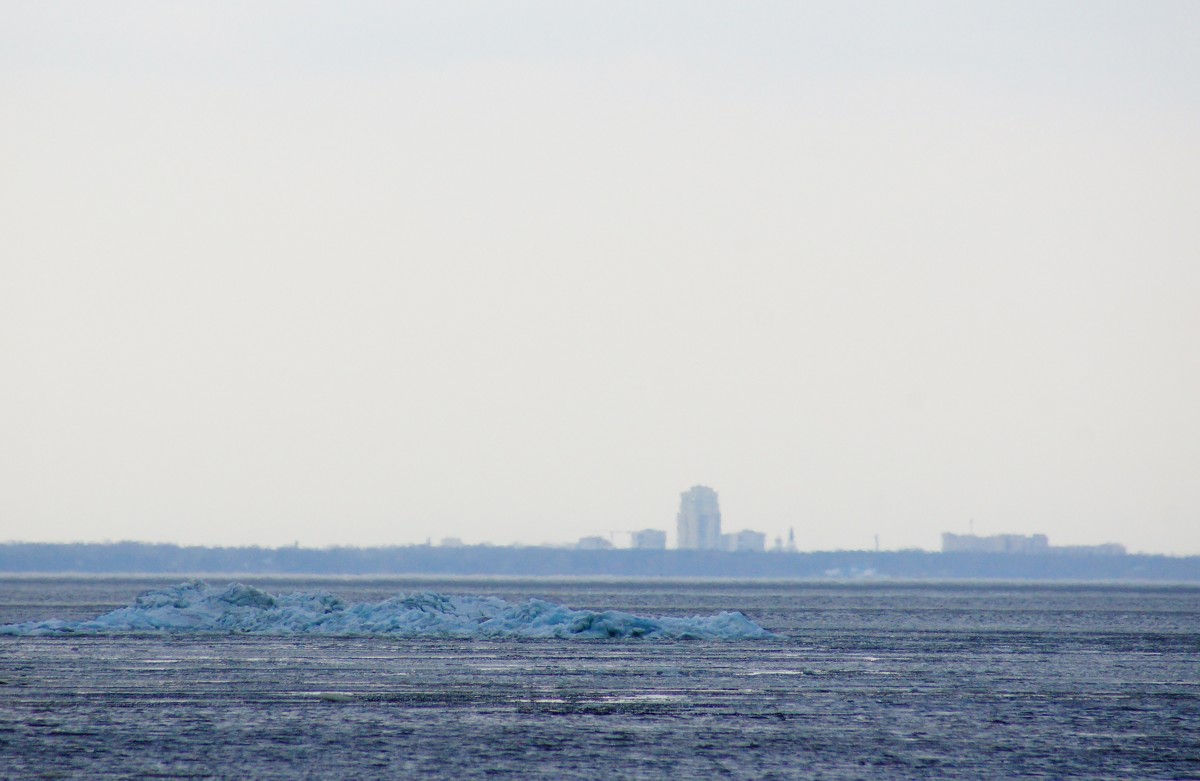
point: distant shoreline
(420, 561)
(282, 580)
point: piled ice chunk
(197, 607)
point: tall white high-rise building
(699, 519)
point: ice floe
(200, 608)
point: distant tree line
(134, 557)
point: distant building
(649, 539)
(1020, 543)
(451, 542)
(745, 541)
(699, 520)
(593, 543)
(779, 547)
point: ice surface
(198, 607)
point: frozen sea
(862, 680)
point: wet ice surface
(197, 607)
(869, 681)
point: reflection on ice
(197, 607)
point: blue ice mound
(200, 608)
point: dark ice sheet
(870, 680)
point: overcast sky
(370, 273)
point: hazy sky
(367, 273)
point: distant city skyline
(524, 272)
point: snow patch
(198, 607)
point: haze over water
(524, 272)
